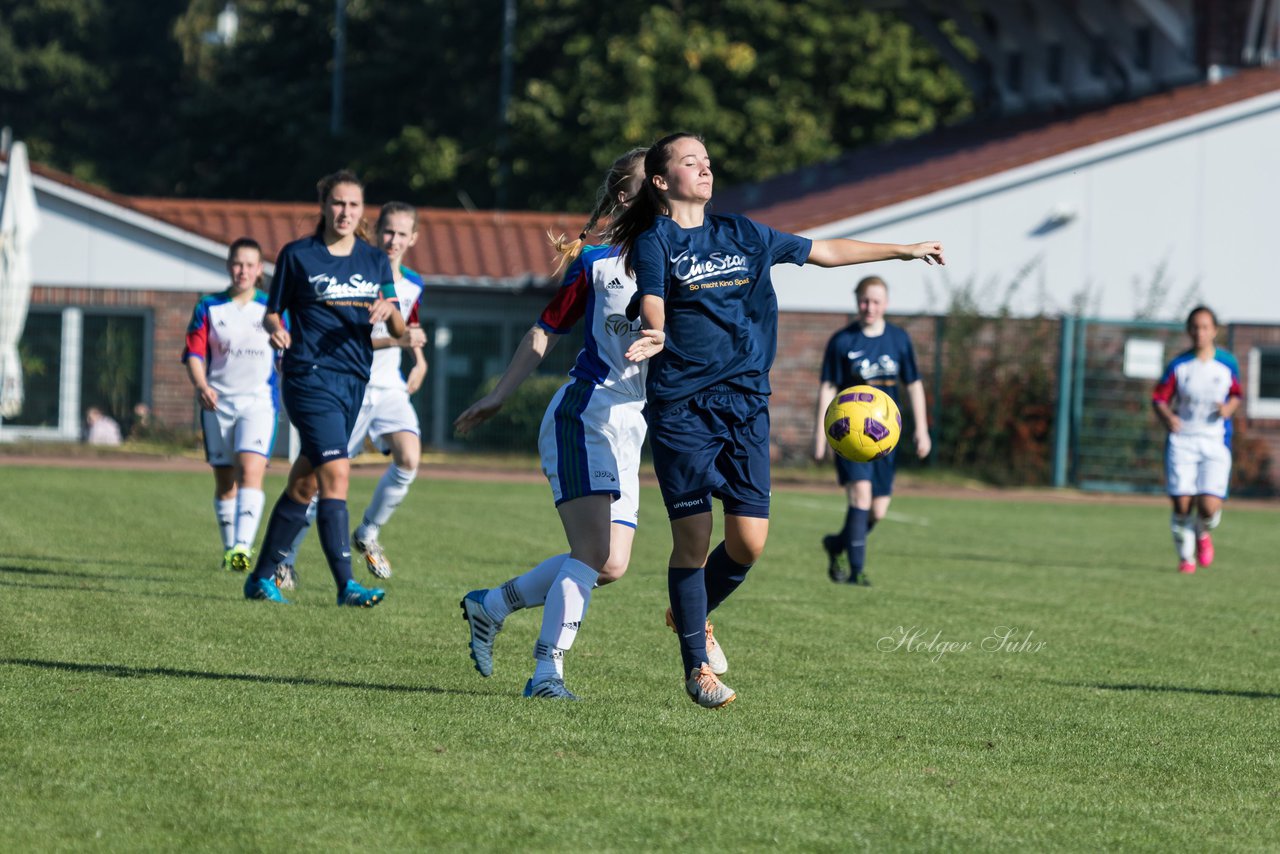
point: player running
(232, 365)
(335, 288)
(1195, 399)
(590, 445)
(869, 351)
(711, 325)
(387, 415)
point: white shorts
(243, 425)
(590, 445)
(1197, 465)
(382, 412)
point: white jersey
(229, 338)
(1195, 388)
(385, 371)
(597, 286)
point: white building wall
(1154, 221)
(84, 242)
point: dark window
(1269, 374)
(40, 351)
(112, 364)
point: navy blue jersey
(887, 361)
(328, 299)
(721, 310)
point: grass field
(145, 705)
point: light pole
(339, 65)
(504, 100)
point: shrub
(516, 425)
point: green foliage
(148, 707)
(516, 425)
(772, 85)
(117, 368)
(999, 385)
(91, 87)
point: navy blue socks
(688, 591)
(723, 576)
(288, 517)
(334, 526)
(855, 539)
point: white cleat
(375, 559)
(706, 689)
(715, 655)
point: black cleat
(834, 548)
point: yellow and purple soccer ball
(862, 424)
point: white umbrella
(19, 220)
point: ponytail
(606, 207)
(648, 203)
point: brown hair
(867, 282)
(1206, 310)
(606, 206)
(648, 204)
(325, 186)
(242, 243)
(392, 208)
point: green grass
(145, 705)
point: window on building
(1054, 64)
(73, 359)
(1263, 395)
(113, 359)
(40, 351)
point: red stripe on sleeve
(570, 302)
(1166, 388)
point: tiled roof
(452, 244)
(871, 179)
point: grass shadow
(87, 588)
(123, 671)
(1173, 689)
(95, 576)
(79, 561)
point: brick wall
(171, 394)
(802, 340)
(1257, 442)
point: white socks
(1204, 526)
(524, 591)
(249, 504)
(562, 614)
(225, 511)
(392, 487)
(1184, 536)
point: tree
(91, 87)
(772, 85)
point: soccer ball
(862, 424)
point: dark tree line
(138, 97)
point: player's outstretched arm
(653, 323)
(842, 252)
(533, 348)
(826, 394)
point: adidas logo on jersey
(615, 285)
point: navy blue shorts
(323, 405)
(879, 472)
(716, 443)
